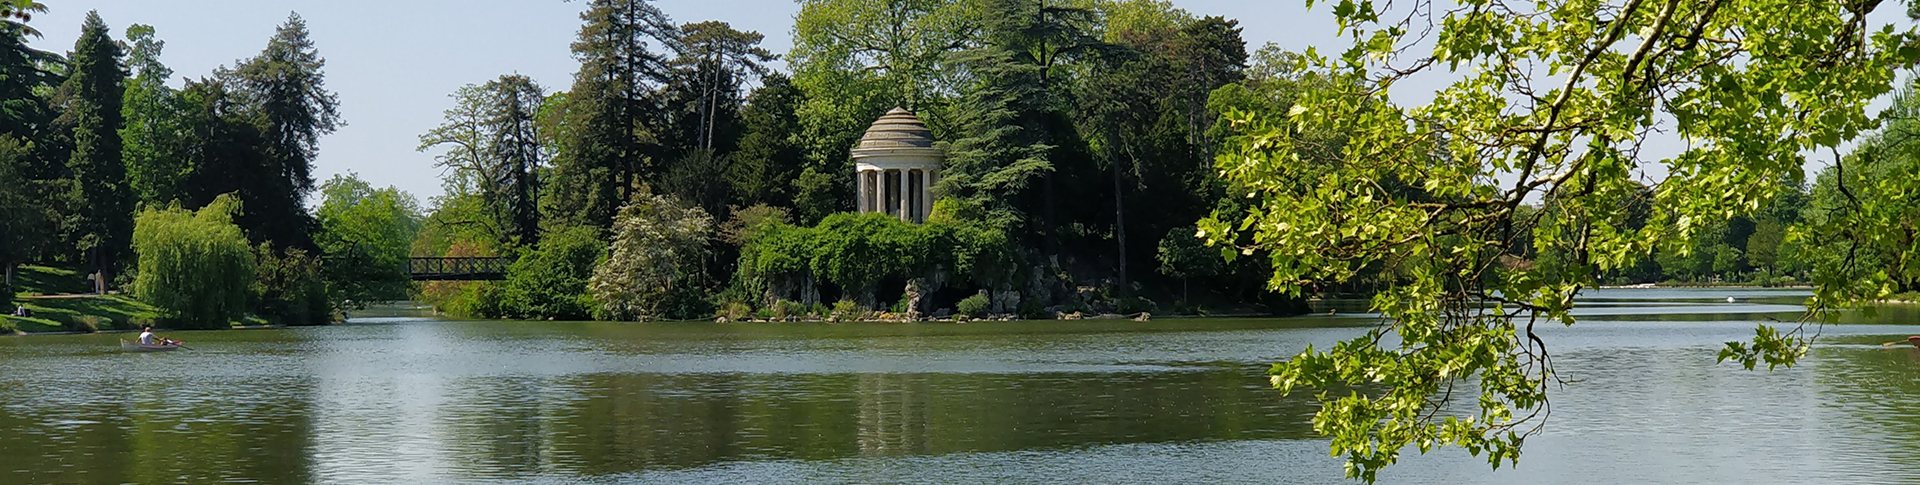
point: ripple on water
(1086, 402)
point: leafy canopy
(1550, 102)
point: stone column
(905, 200)
(873, 190)
(926, 195)
(860, 191)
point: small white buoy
(1729, 299)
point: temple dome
(897, 129)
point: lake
(417, 399)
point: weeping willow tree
(195, 266)
(1551, 102)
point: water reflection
(1090, 402)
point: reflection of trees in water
(497, 427)
(114, 430)
(275, 430)
(893, 414)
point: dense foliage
(851, 255)
(1434, 195)
(91, 100)
(550, 281)
(366, 237)
(655, 262)
(87, 140)
(196, 266)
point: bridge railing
(457, 269)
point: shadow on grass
(44, 280)
(115, 312)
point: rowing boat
(140, 347)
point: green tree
(494, 151)
(195, 266)
(714, 65)
(1464, 366)
(222, 147)
(286, 85)
(290, 287)
(1862, 224)
(653, 269)
(1763, 248)
(763, 168)
(1186, 257)
(550, 281)
(91, 97)
(714, 61)
(366, 235)
(153, 134)
(23, 75)
(1137, 111)
(610, 144)
(1013, 121)
(1209, 53)
(24, 220)
(856, 59)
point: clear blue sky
(394, 62)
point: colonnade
(903, 193)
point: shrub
(550, 282)
(903, 305)
(786, 308)
(654, 266)
(856, 251)
(848, 311)
(973, 306)
(196, 267)
(735, 311)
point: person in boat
(147, 338)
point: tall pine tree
(517, 155)
(1017, 137)
(613, 114)
(763, 168)
(103, 221)
(287, 87)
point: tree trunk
(1120, 228)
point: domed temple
(896, 166)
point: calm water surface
(396, 399)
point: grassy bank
(71, 310)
